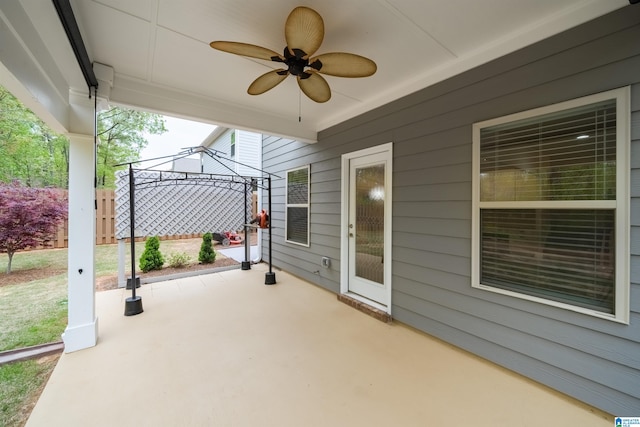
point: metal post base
(270, 278)
(129, 282)
(133, 306)
(246, 265)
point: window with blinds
(297, 206)
(547, 199)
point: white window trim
(621, 204)
(307, 205)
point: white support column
(82, 328)
(122, 252)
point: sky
(180, 134)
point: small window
(297, 206)
(550, 202)
(233, 145)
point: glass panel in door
(369, 223)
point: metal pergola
(232, 182)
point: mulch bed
(105, 283)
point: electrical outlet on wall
(326, 262)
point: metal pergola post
(133, 304)
(246, 264)
(270, 276)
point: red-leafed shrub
(29, 217)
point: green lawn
(35, 312)
(21, 384)
(106, 258)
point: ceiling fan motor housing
(296, 62)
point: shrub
(151, 258)
(178, 259)
(29, 217)
(207, 254)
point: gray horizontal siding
(523, 363)
(592, 359)
(557, 354)
(442, 191)
(280, 155)
(435, 227)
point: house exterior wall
(186, 165)
(248, 154)
(223, 145)
(591, 359)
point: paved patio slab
(226, 350)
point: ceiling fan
(303, 32)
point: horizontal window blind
(298, 187)
(297, 209)
(567, 155)
(297, 225)
(564, 255)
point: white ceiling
(159, 50)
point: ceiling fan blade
(267, 81)
(246, 49)
(315, 87)
(342, 64)
(304, 30)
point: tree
(121, 132)
(38, 157)
(29, 151)
(29, 217)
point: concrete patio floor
(225, 350)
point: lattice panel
(173, 203)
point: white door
(368, 224)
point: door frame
(387, 150)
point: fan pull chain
(299, 106)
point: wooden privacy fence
(105, 223)
(105, 215)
